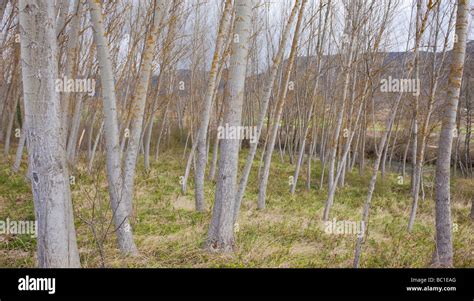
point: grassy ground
(289, 233)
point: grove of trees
(236, 91)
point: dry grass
(289, 233)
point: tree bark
(418, 176)
(71, 67)
(19, 151)
(278, 113)
(56, 243)
(221, 231)
(114, 173)
(267, 92)
(3, 6)
(139, 101)
(444, 242)
(320, 46)
(200, 141)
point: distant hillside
(392, 60)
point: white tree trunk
(139, 101)
(373, 180)
(76, 122)
(200, 141)
(221, 230)
(267, 92)
(71, 64)
(278, 112)
(11, 120)
(19, 151)
(320, 47)
(444, 241)
(94, 148)
(56, 242)
(340, 115)
(114, 173)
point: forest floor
(289, 233)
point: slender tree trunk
(56, 244)
(76, 122)
(90, 134)
(394, 143)
(138, 103)
(200, 141)
(362, 147)
(189, 162)
(71, 66)
(94, 148)
(405, 154)
(444, 242)
(11, 120)
(267, 92)
(311, 156)
(356, 149)
(14, 90)
(221, 231)
(114, 173)
(278, 113)
(418, 176)
(385, 153)
(320, 47)
(162, 130)
(215, 150)
(342, 163)
(339, 119)
(373, 180)
(19, 151)
(379, 152)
